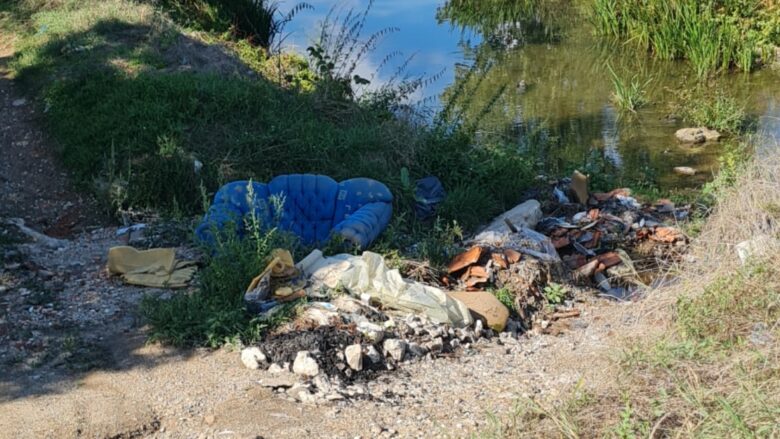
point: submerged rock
(684, 170)
(697, 135)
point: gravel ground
(80, 367)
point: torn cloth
(157, 267)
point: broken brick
(609, 259)
(513, 256)
(477, 271)
(465, 259)
(500, 260)
(666, 234)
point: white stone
(755, 248)
(253, 357)
(275, 368)
(527, 214)
(354, 356)
(305, 364)
(373, 354)
(395, 348)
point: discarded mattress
(313, 207)
(368, 274)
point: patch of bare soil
(33, 185)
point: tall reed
(714, 35)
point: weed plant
(214, 313)
(628, 95)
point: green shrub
(214, 313)
(721, 112)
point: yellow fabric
(282, 265)
(152, 268)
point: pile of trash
(599, 235)
(363, 319)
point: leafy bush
(721, 112)
(555, 293)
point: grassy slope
(131, 125)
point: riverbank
(152, 117)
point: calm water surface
(550, 92)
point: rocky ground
(74, 362)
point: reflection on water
(545, 84)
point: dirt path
(32, 184)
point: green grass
(214, 314)
(714, 35)
(630, 94)
(134, 136)
(719, 111)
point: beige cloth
(156, 267)
(368, 274)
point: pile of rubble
(341, 341)
(323, 363)
(599, 237)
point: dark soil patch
(326, 344)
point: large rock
(523, 215)
(305, 365)
(485, 307)
(697, 135)
(395, 348)
(354, 356)
(253, 357)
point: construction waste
(515, 277)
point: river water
(549, 89)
